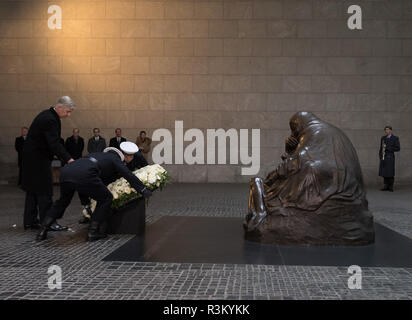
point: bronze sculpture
(316, 195)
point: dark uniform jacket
(113, 142)
(138, 162)
(18, 145)
(43, 142)
(107, 169)
(96, 146)
(387, 165)
(75, 148)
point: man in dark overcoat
(18, 145)
(389, 145)
(42, 144)
(117, 140)
(96, 143)
(75, 144)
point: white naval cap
(115, 150)
(129, 147)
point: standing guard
(389, 145)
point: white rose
(152, 179)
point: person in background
(42, 144)
(117, 140)
(389, 145)
(75, 144)
(96, 143)
(18, 145)
(144, 142)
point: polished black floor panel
(220, 240)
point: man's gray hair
(65, 101)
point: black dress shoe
(42, 235)
(57, 227)
(94, 233)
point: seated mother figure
(316, 195)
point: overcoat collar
(54, 113)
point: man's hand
(71, 160)
(146, 193)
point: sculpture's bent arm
(287, 167)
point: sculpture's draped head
(300, 121)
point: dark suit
(43, 142)
(90, 178)
(18, 145)
(75, 147)
(387, 165)
(96, 146)
(113, 142)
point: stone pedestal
(130, 219)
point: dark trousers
(36, 204)
(388, 182)
(19, 181)
(94, 189)
(84, 199)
